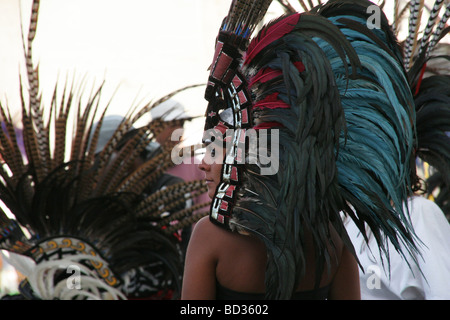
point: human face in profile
(212, 167)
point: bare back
(238, 263)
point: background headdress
(428, 65)
(67, 205)
(336, 93)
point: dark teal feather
(344, 145)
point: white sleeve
(433, 229)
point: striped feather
(414, 24)
(244, 16)
(431, 24)
(439, 29)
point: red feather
(267, 125)
(271, 102)
(265, 75)
(273, 33)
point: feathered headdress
(331, 98)
(427, 61)
(68, 207)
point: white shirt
(407, 282)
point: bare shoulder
(207, 241)
(205, 227)
(207, 233)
